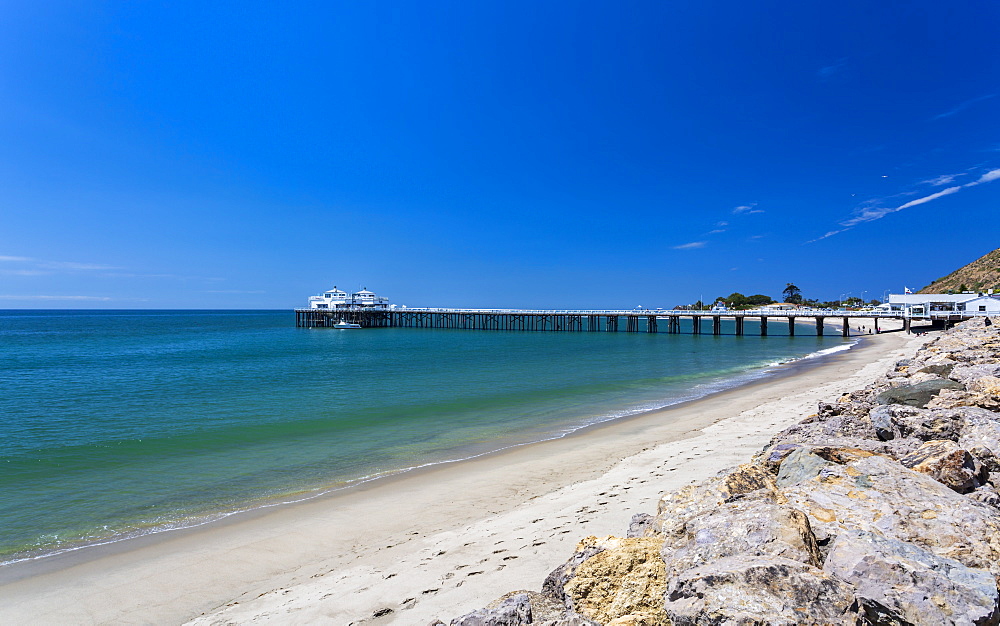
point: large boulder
(749, 590)
(624, 579)
(677, 508)
(980, 428)
(953, 398)
(896, 421)
(947, 463)
(745, 527)
(877, 494)
(918, 394)
(968, 373)
(989, 385)
(800, 465)
(899, 582)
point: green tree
(792, 294)
(759, 300)
(736, 300)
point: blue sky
(495, 154)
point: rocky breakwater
(882, 508)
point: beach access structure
(632, 321)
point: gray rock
(980, 428)
(942, 369)
(800, 465)
(877, 494)
(987, 494)
(568, 619)
(554, 585)
(900, 421)
(882, 421)
(901, 581)
(954, 398)
(917, 395)
(947, 463)
(514, 611)
(640, 524)
(753, 590)
(774, 455)
(743, 528)
(986, 456)
(677, 508)
(968, 373)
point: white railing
(676, 312)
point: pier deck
(633, 321)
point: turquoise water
(118, 423)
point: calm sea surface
(118, 423)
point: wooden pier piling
(575, 321)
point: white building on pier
(337, 299)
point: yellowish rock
(626, 581)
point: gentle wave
(737, 378)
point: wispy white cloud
(963, 106)
(93, 298)
(872, 213)
(38, 267)
(72, 266)
(691, 246)
(828, 234)
(944, 179)
(831, 70)
(231, 291)
(722, 224)
(989, 176)
(76, 267)
(6, 272)
(871, 210)
(748, 209)
(172, 276)
(716, 231)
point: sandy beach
(434, 543)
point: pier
(632, 321)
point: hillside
(981, 274)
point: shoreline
(756, 375)
(286, 558)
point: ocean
(121, 423)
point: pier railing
(610, 320)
